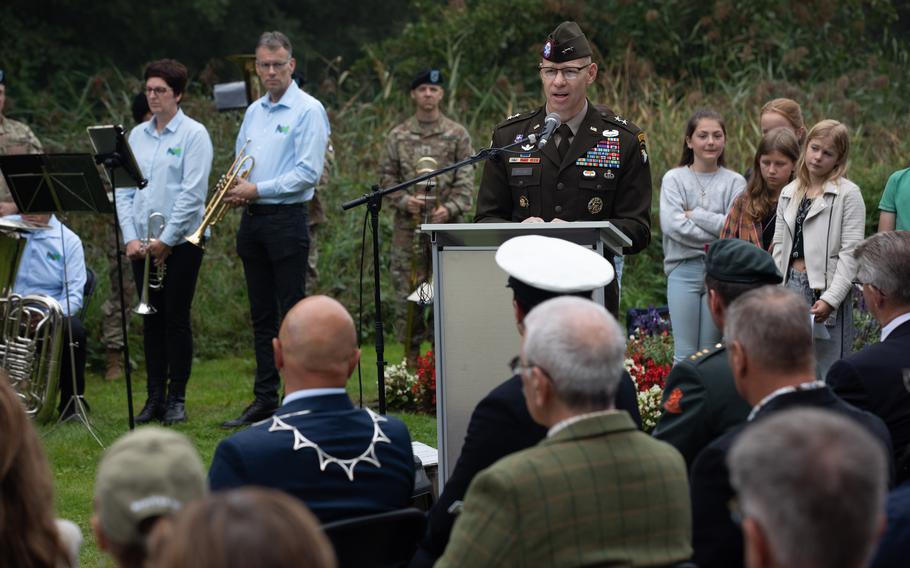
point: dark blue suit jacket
(500, 425)
(716, 540)
(256, 456)
(894, 548)
(873, 380)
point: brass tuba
(217, 207)
(31, 343)
(31, 333)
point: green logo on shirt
(54, 256)
(283, 129)
(175, 151)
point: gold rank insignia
(523, 202)
(595, 205)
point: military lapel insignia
(605, 154)
(595, 206)
(523, 202)
(610, 133)
(621, 120)
(594, 130)
(346, 465)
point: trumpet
(217, 207)
(157, 282)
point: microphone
(550, 124)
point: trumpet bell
(145, 309)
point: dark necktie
(563, 148)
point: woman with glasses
(174, 153)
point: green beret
(566, 43)
(735, 260)
(427, 76)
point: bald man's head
(316, 345)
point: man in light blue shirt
(53, 265)
(286, 133)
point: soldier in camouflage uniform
(111, 328)
(316, 218)
(427, 134)
(15, 138)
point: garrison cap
(147, 473)
(431, 76)
(554, 265)
(735, 260)
(567, 42)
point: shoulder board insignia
(511, 116)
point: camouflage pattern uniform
(15, 138)
(316, 218)
(447, 142)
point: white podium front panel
(476, 325)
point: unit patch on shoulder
(672, 404)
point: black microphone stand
(112, 161)
(373, 201)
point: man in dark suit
(595, 491)
(877, 378)
(340, 460)
(539, 268)
(811, 488)
(770, 344)
(700, 401)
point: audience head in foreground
(547, 504)
(769, 338)
(28, 535)
(883, 270)
(572, 359)
(239, 528)
(147, 474)
(811, 487)
(341, 461)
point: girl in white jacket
(820, 219)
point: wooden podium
(475, 333)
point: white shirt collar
(562, 425)
(310, 393)
(894, 324)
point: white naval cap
(554, 265)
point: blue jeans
(687, 298)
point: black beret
(567, 42)
(431, 76)
(735, 260)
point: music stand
(58, 183)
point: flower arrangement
(649, 360)
(412, 391)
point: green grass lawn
(218, 391)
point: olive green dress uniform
(700, 402)
(604, 176)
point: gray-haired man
(811, 490)
(769, 339)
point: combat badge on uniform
(523, 202)
(595, 206)
(672, 404)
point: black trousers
(66, 369)
(273, 243)
(167, 335)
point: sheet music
(427, 455)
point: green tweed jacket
(597, 493)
